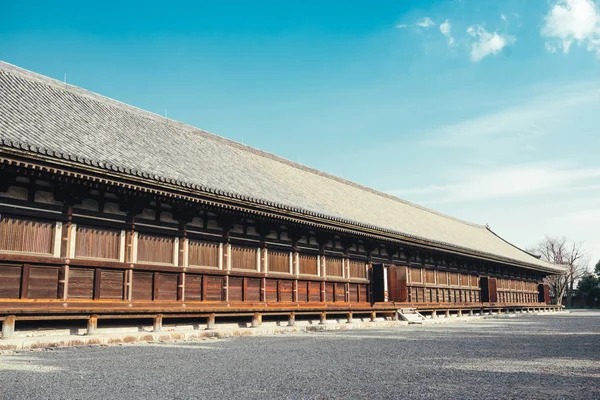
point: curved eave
(109, 174)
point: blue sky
(485, 110)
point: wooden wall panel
(142, 286)
(193, 287)
(415, 275)
(252, 289)
(111, 284)
(43, 283)
(214, 288)
(442, 278)
(279, 261)
(243, 257)
(167, 287)
(235, 289)
(285, 291)
(335, 266)
(363, 293)
(340, 292)
(10, 281)
(203, 254)
(397, 289)
(271, 290)
(308, 264)
(97, 243)
(155, 249)
(474, 281)
(464, 280)
(353, 293)
(357, 269)
(302, 291)
(81, 283)
(453, 278)
(28, 236)
(329, 292)
(314, 291)
(430, 276)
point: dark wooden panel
(156, 249)
(271, 290)
(203, 254)
(302, 291)
(285, 291)
(329, 292)
(97, 243)
(335, 266)
(167, 287)
(279, 261)
(193, 287)
(235, 289)
(81, 283)
(43, 283)
(314, 291)
(243, 257)
(28, 236)
(142, 285)
(357, 269)
(340, 292)
(214, 288)
(252, 292)
(308, 264)
(111, 284)
(363, 293)
(10, 281)
(397, 288)
(377, 271)
(353, 293)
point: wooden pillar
(25, 281)
(373, 316)
(157, 325)
(292, 319)
(181, 286)
(210, 323)
(256, 320)
(67, 249)
(8, 327)
(349, 318)
(323, 318)
(92, 325)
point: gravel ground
(553, 356)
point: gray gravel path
(545, 357)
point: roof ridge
(213, 136)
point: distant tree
(568, 254)
(597, 269)
(589, 288)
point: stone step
(412, 317)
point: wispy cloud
(445, 28)
(425, 23)
(573, 21)
(510, 182)
(400, 26)
(487, 43)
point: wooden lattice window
(155, 249)
(335, 266)
(278, 261)
(357, 269)
(27, 236)
(243, 257)
(308, 264)
(97, 243)
(203, 254)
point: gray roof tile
(69, 120)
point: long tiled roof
(61, 120)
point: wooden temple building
(109, 211)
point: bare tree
(568, 254)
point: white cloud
(445, 29)
(425, 23)
(510, 182)
(503, 17)
(573, 21)
(400, 26)
(487, 43)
